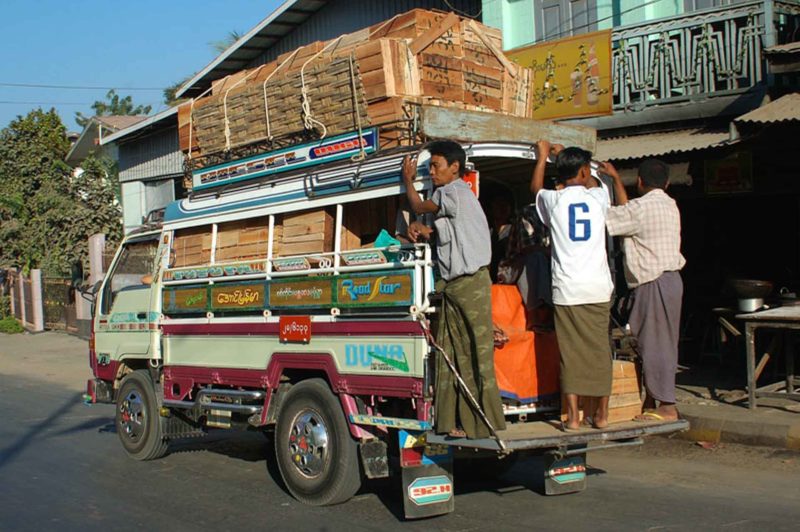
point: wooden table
(786, 320)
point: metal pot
(750, 304)
(750, 288)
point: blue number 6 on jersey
(574, 222)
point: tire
(137, 421)
(316, 456)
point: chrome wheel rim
(308, 443)
(132, 416)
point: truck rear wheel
(317, 457)
(137, 420)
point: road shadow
(247, 446)
(8, 453)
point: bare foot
(662, 413)
(571, 425)
(457, 433)
(599, 423)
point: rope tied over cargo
(191, 111)
(264, 88)
(225, 105)
(362, 154)
(308, 120)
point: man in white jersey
(582, 286)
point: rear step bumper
(546, 436)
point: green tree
(47, 214)
(114, 105)
(223, 44)
(169, 93)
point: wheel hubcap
(308, 443)
(132, 415)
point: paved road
(61, 466)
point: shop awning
(784, 109)
(658, 144)
(783, 58)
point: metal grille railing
(59, 304)
(714, 52)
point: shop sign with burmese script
(185, 299)
(238, 296)
(375, 289)
(305, 292)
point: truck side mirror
(76, 274)
(90, 293)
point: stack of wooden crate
(243, 240)
(191, 247)
(625, 401)
(307, 232)
(626, 387)
(371, 77)
(362, 222)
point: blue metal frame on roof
(176, 211)
(286, 159)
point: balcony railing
(715, 52)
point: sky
(127, 45)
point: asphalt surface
(63, 468)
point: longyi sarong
(582, 332)
(465, 333)
(655, 321)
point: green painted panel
(185, 299)
(375, 289)
(303, 292)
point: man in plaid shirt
(651, 229)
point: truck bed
(548, 434)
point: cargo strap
(308, 119)
(264, 88)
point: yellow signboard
(571, 77)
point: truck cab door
(126, 322)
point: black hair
(451, 151)
(654, 173)
(569, 162)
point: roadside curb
(717, 427)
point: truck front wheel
(317, 457)
(137, 420)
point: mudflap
(427, 476)
(565, 471)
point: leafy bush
(5, 306)
(9, 325)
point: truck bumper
(100, 391)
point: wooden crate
(363, 221)
(191, 247)
(625, 401)
(242, 240)
(420, 56)
(307, 232)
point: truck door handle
(141, 315)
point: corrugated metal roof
(139, 126)
(279, 23)
(118, 122)
(656, 144)
(790, 48)
(784, 109)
